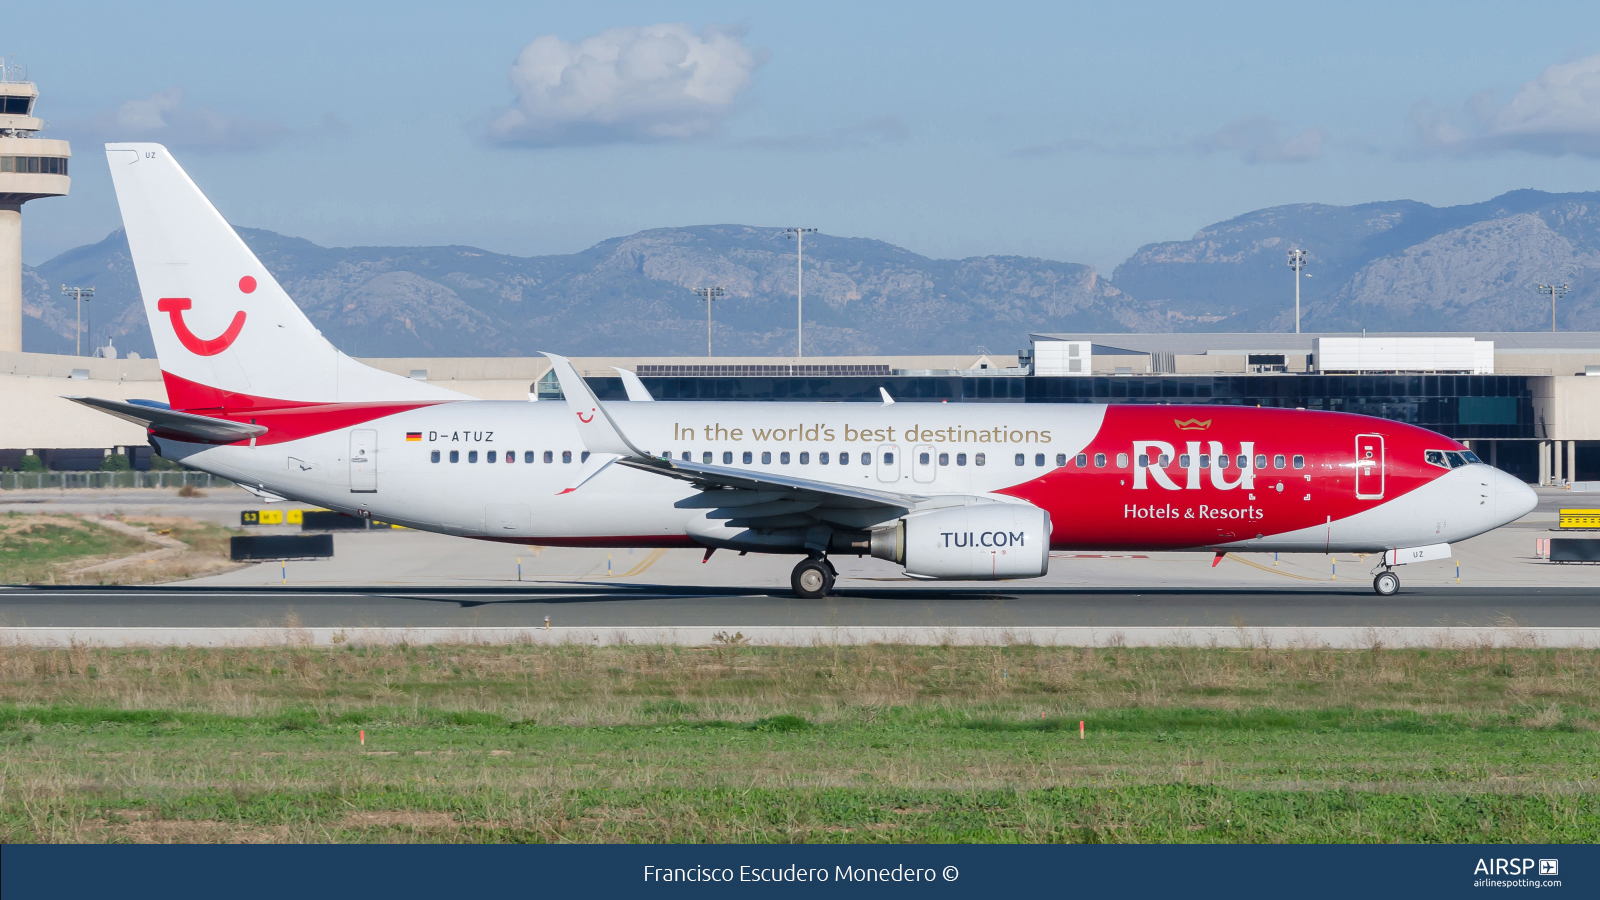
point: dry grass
(580, 685)
(64, 549)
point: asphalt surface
(651, 605)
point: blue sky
(1073, 132)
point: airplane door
(888, 462)
(922, 464)
(363, 461)
(1369, 467)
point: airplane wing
(171, 423)
(601, 435)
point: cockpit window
(1450, 459)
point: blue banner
(1112, 871)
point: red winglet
(1218, 558)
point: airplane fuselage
(1111, 477)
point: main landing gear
(813, 578)
(1386, 583)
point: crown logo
(1192, 424)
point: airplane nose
(1512, 498)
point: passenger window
(455, 456)
(1261, 461)
(944, 459)
(527, 457)
(1299, 461)
(1020, 458)
(1164, 461)
(1099, 460)
(706, 457)
(783, 458)
(727, 458)
(961, 459)
(978, 459)
(1222, 462)
(1183, 460)
(822, 458)
(888, 458)
(1205, 460)
(566, 456)
(1038, 459)
(1122, 460)
(805, 459)
(472, 456)
(687, 456)
(490, 457)
(1244, 461)
(922, 458)
(549, 457)
(584, 457)
(1061, 460)
(766, 457)
(844, 459)
(748, 458)
(1278, 461)
(435, 456)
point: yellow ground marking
(1255, 565)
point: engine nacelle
(980, 542)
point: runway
(633, 605)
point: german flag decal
(413, 435)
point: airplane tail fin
(227, 334)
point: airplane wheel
(811, 579)
(1386, 584)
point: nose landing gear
(813, 578)
(1386, 583)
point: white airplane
(257, 395)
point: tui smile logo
(175, 306)
(586, 420)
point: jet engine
(982, 542)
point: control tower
(30, 168)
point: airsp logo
(1524, 866)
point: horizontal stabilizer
(171, 423)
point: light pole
(799, 235)
(1297, 261)
(80, 294)
(1554, 290)
(708, 294)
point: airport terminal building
(1527, 402)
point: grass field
(56, 549)
(733, 743)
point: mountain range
(1397, 265)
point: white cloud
(1555, 113)
(871, 133)
(660, 82)
(164, 117)
(1256, 140)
